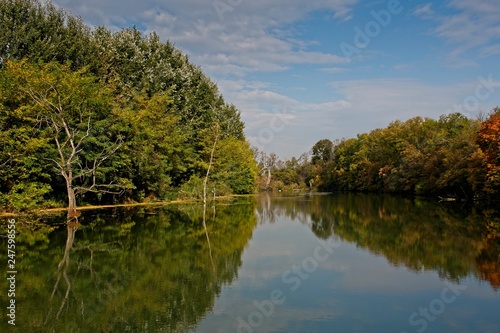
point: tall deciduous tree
(69, 108)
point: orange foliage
(490, 271)
(488, 140)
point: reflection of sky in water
(352, 291)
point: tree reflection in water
(62, 269)
(142, 270)
(452, 239)
(155, 269)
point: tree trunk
(205, 181)
(72, 213)
(268, 180)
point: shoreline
(96, 207)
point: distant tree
(322, 151)
(420, 155)
(267, 164)
(488, 140)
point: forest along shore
(94, 117)
(90, 117)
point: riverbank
(46, 211)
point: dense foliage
(111, 116)
(453, 157)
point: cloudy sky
(301, 71)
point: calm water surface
(307, 263)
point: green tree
(24, 174)
(235, 166)
(39, 31)
(70, 109)
(155, 152)
(322, 152)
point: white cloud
(489, 51)
(363, 105)
(251, 36)
(375, 103)
(489, 8)
(474, 25)
(160, 18)
(334, 70)
(260, 36)
(424, 11)
(468, 27)
(295, 125)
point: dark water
(320, 263)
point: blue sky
(302, 71)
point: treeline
(453, 157)
(110, 116)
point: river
(302, 263)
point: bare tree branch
(5, 163)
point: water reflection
(454, 240)
(145, 270)
(179, 269)
(62, 271)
